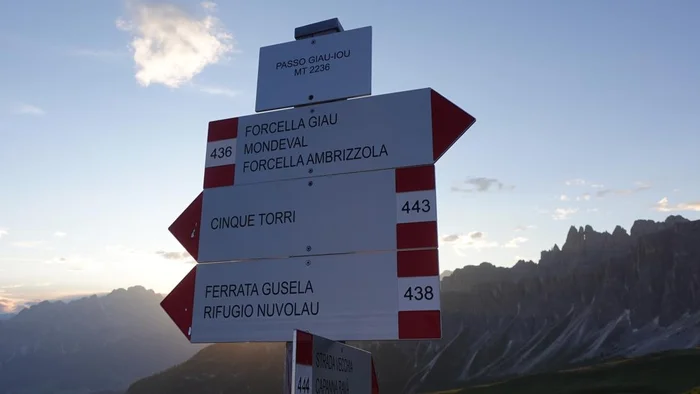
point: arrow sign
(411, 128)
(369, 296)
(364, 211)
(322, 365)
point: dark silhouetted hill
(601, 296)
(88, 345)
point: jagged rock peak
(646, 226)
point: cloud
(664, 206)
(7, 305)
(3, 232)
(27, 244)
(584, 197)
(28, 109)
(59, 234)
(575, 182)
(473, 240)
(563, 213)
(515, 242)
(218, 90)
(176, 256)
(481, 184)
(563, 197)
(597, 186)
(170, 46)
(639, 186)
(71, 263)
(524, 228)
(208, 5)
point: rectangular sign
(316, 69)
(363, 211)
(395, 130)
(325, 366)
(369, 296)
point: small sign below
(315, 69)
(325, 366)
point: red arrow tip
(186, 227)
(179, 304)
(449, 123)
(375, 382)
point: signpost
(319, 218)
(410, 128)
(372, 296)
(325, 366)
(315, 69)
(363, 211)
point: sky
(587, 113)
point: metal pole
(328, 26)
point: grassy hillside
(672, 372)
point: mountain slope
(94, 343)
(599, 296)
(667, 372)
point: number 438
(416, 206)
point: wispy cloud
(71, 263)
(639, 186)
(170, 46)
(474, 240)
(481, 184)
(28, 109)
(515, 242)
(524, 228)
(209, 5)
(181, 256)
(663, 205)
(563, 213)
(563, 197)
(575, 182)
(27, 244)
(59, 234)
(218, 90)
(3, 232)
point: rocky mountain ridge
(599, 296)
(90, 344)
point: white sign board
(325, 366)
(373, 133)
(315, 69)
(369, 296)
(345, 213)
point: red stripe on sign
(179, 304)
(219, 176)
(411, 179)
(375, 381)
(416, 235)
(305, 345)
(414, 263)
(419, 325)
(449, 123)
(223, 129)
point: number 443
(416, 206)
